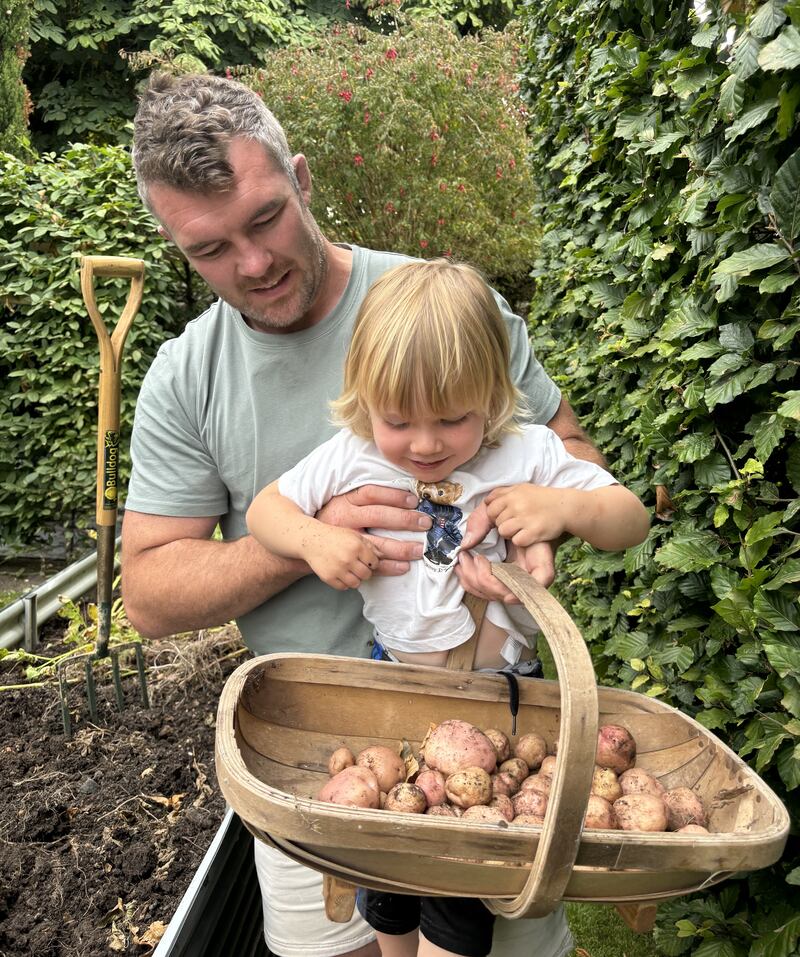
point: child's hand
(527, 514)
(341, 557)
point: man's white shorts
(295, 924)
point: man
(241, 396)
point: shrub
(416, 140)
(665, 149)
(13, 95)
(52, 211)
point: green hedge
(417, 140)
(665, 149)
(52, 211)
(13, 95)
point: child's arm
(611, 518)
(341, 557)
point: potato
(504, 783)
(481, 812)
(441, 810)
(599, 814)
(340, 759)
(517, 767)
(693, 829)
(469, 787)
(537, 782)
(548, 766)
(529, 802)
(684, 807)
(353, 787)
(432, 783)
(455, 745)
(532, 748)
(387, 765)
(641, 812)
(504, 804)
(605, 784)
(616, 748)
(406, 797)
(537, 820)
(638, 781)
(500, 741)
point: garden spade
(111, 347)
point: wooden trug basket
(281, 716)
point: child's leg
(394, 918)
(454, 927)
(489, 645)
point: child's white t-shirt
(423, 609)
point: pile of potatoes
(476, 775)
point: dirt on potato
(100, 835)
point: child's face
(430, 447)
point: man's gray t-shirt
(224, 410)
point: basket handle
(563, 821)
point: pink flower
(389, 208)
(440, 221)
(434, 159)
(358, 159)
(512, 163)
(423, 244)
(369, 74)
(498, 172)
(343, 74)
(434, 135)
(391, 54)
(461, 188)
(345, 95)
(367, 117)
(442, 187)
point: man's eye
(209, 253)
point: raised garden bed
(101, 835)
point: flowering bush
(416, 140)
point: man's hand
(374, 506)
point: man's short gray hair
(183, 130)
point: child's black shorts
(462, 925)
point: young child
(428, 406)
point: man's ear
(303, 174)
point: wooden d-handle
(577, 743)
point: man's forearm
(585, 450)
(188, 584)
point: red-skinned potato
(638, 781)
(432, 783)
(340, 759)
(504, 804)
(599, 814)
(605, 784)
(548, 766)
(499, 739)
(407, 798)
(529, 802)
(455, 745)
(482, 812)
(616, 748)
(441, 810)
(532, 749)
(387, 765)
(537, 782)
(504, 783)
(641, 812)
(693, 829)
(537, 820)
(515, 767)
(684, 807)
(353, 787)
(469, 787)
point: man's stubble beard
(313, 253)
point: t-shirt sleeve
(554, 466)
(173, 472)
(542, 393)
(324, 472)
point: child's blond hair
(429, 338)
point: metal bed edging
(42, 602)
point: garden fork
(111, 347)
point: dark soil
(101, 834)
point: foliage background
(665, 152)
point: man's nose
(254, 260)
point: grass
(599, 931)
